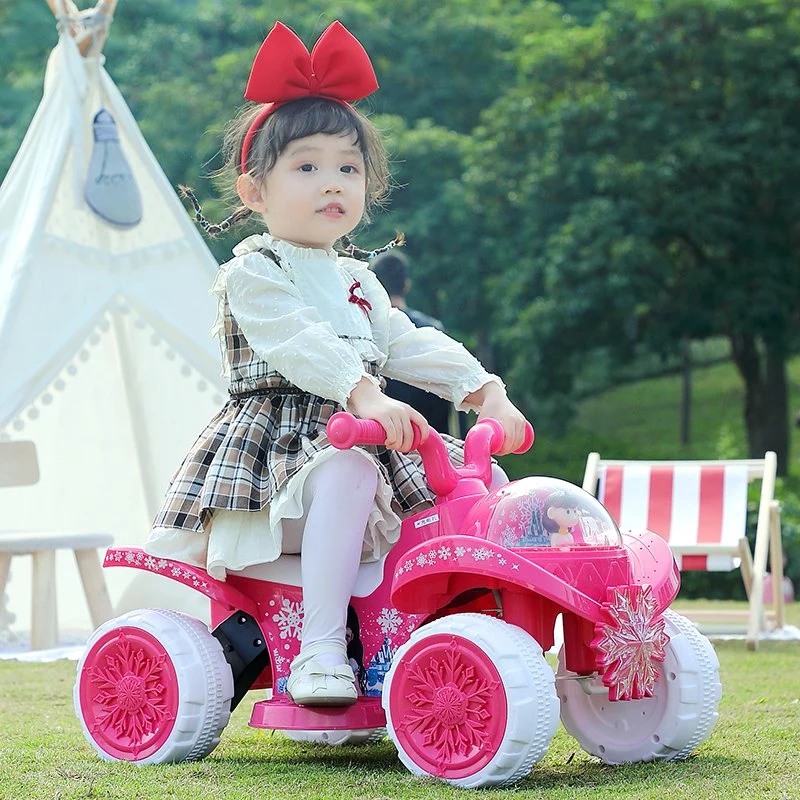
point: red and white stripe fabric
(694, 507)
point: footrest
(282, 714)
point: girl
(306, 332)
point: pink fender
(653, 564)
(193, 577)
(429, 575)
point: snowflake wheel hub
(448, 706)
(129, 693)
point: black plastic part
(245, 650)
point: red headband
(338, 68)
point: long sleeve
(287, 333)
(429, 359)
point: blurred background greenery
(599, 196)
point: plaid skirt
(258, 442)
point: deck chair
(19, 466)
(700, 508)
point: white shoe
(313, 684)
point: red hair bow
(338, 68)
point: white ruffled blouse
(298, 317)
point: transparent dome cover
(543, 512)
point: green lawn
(752, 753)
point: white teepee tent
(105, 355)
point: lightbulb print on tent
(111, 190)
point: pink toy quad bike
(447, 634)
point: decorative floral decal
(389, 621)
(289, 619)
(630, 643)
(141, 560)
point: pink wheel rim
(448, 706)
(128, 693)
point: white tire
(337, 738)
(471, 700)
(153, 687)
(665, 727)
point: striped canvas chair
(700, 508)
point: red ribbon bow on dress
(360, 301)
(338, 68)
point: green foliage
(641, 178)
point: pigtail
(351, 250)
(211, 229)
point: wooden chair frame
(753, 565)
(19, 467)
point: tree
(641, 176)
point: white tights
(338, 498)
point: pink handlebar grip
(344, 430)
(527, 442)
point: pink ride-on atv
(447, 635)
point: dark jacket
(433, 408)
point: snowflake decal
(389, 621)
(279, 661)
(449, 705)
(460, 551)
(509, 537)
(525, 508)
(422, 559)
(132, 699)
(444, 553)
(482, 553)
(289, 619)
(150, 562)
(630, 642)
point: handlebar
(483, 440)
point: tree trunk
(762, 366)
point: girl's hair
(291, 121)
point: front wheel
(667, 726)
(470, 699)
(153, 687)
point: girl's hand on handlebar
(369, 402)
(496, 405)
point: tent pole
(143, 456)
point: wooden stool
(42, 547)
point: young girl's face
(316, 192)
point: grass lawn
(752, 752)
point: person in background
(392, 270)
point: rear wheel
(153, 687)
(470, 699)
(667, 726)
